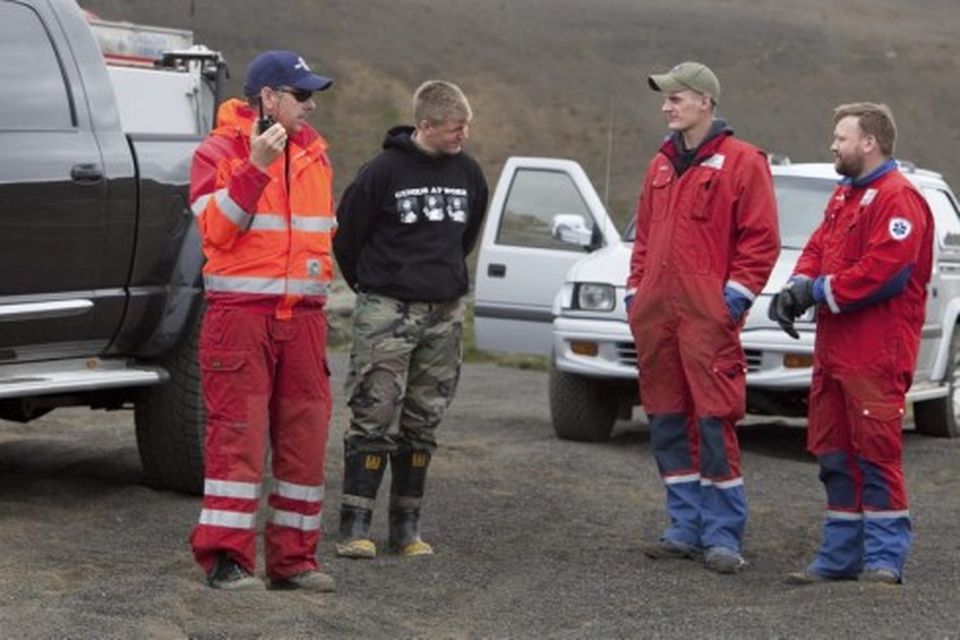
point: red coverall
(871, 257)
(267, 239)
(711, 226)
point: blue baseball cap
(281, 68)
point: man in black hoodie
(406, 225)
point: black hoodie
(408, 220)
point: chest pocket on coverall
(660, 193)
(705, 187)
(852, 237)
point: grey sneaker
(665, 549)
(806, 577)
(880, 576)
(722, 560)
(307, 581)
(230, 576)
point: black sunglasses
(300, 95)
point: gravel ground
(535, 538)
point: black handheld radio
(264, 122)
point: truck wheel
(938, 417)
(579, 408)
(170, 421)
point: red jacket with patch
(874, 251)
(716, 221)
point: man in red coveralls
(261, 193)
(706, 241)
(866, 267)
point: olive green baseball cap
(687, 75)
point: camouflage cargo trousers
(404, 362)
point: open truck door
(544, 216)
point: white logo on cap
(301, 64)
(900, 228)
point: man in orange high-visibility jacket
(706, 242)
(261, 192)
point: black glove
(801, 292)
(781, 311)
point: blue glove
(627, 301)
(737, 303)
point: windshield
(800, 205)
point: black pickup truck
(100, 286)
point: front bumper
(766, 351)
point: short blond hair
(873, 119)
(438, 101)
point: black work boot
(228, 574)
(362, 473)
(409, 470)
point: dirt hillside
(556, 77)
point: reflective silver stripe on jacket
(295, 520)
(314, 224)
(306, 224)
(298, 491)
(268, 222)
(307, 287)
(232, 210)
(230, 489)
(200, 204)
(274, 286)
(229, 519)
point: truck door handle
(496, 270)
(86, 173)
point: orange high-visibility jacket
(266, 236)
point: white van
(551, 275)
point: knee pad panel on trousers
(671, 442)
(883, 486)
(713, 450)
(838, 480)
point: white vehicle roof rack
(137, 45)
(164, 83)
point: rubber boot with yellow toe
(409, 471)
(362, 473)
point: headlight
(596, 297)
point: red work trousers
(263, 377)
(860, 413)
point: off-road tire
(938, 417)
(170, 421)
(581, 408)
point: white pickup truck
(551, 274)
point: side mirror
(571, 228)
